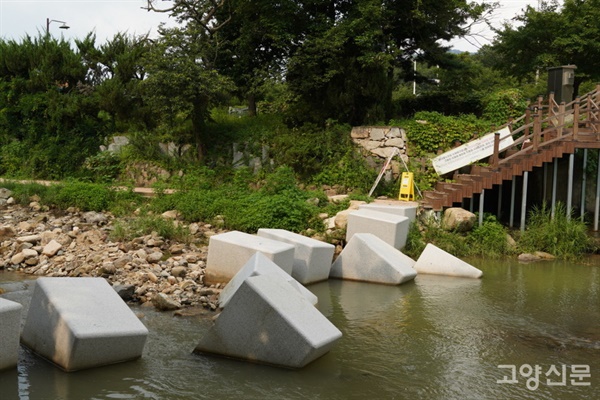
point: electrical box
(561, 81)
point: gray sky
(105, 17)
(482, 34)
(108, 17)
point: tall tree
(549, 37)
(182, 78)
(353, 51)
(47, 124)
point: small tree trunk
(251, 104)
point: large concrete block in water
(391, 228)
(368, 258)
(408, 210)
(80, 323)
(228, 252)
(312, 258)
(259, 264)
(267, 321)
(10, 327)
(434, 260)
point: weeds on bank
(128, 229)
(560, 236)
(489, 239)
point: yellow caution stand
(407, 188)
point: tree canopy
(549, 37)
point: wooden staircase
(545, 132)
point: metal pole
(597, 205)
(524, 200)
(512, 201)
(481, 200)
(583, 182)
(554, 175)
(499, 200)
(570, 185)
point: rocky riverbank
(148, 269)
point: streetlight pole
(48, 21)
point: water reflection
(435, 338)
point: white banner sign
(471, 152)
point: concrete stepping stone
(266, 321)
(80, 323)
(10, 327)
(312, 258)
(434, 260)
(228, 252)
(391, 228)
(405, 210)
(370, 259)
(259, 264)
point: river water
(434, 338)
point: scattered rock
(163, 302)
(527, 257)
(51, 248)
(458, 219)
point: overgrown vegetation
(560, 236)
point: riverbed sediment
(148, 269)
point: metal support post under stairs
(524, 200)
(481, 200)
(583, 183)
(554, 175)
(570, 185)
(512, 202)
(597, 205)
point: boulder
(458, 219)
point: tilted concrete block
(391, 228)
(80, 323)
(368, 258)
(405, 210)
(434, 260)
(312, 258)
(10, 327)
(259, 264)
(228, 252)
(267, 321)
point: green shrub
(504, 104)
(103, 167)
(83, 195)
(429, 132)
(489, 239)
(146, 225)
(560, 236)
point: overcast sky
(108, 17)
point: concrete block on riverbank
(10, 327)
(267, 321)
(259, 264)
(312, 258)
(434, 260)
(228, 252)
(370, 259)
(405, 210)
(80, 323)
(391, 228)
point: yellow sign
(407, 188)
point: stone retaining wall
(378, 143)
